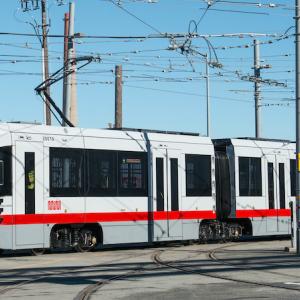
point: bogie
(80, 237)
(214, 230)
(87, 240)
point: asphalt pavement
(240, 270)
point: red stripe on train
(262, 213)
(68, 218)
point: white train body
(123, 215)
(262, 183)
(131, 187)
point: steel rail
(38, 276)
(173, 265)
(212, 256)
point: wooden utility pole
(118, 96)
(45, 58)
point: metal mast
(257, 95)
(297, 16)
(45, 59)
(66, 33)
(71, 57)
(207, 97)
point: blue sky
(163, 89)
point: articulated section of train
(72, 187)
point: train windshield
(5, 171)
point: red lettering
(54, 205)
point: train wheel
(87, 240)
(38, 251)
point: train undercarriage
(81, 238)
(229, 230)
(85, 237)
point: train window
(271, 185)
(198, 175)
(281, 186)
(160, 184)
(132, 167)
(5, 171)
(174, 184)
(101, 172)
(29, 183)
(293, 176)
(66, 172)
(250, 176)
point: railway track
(182, 263)
(87, 292)
(211, 256)
(17, 284)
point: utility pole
(66, 34)
(118, 96)
(207, 97)
(45, 58)
(257, 95)
(71, 57)
(73, 108)
(297, 42)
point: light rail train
(81, 188)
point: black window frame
(85, 168)
(250, 176)
(281, 168)
(204, 188)
(271, 185)
(174, 184)
(29, 182)
(69, 153)
(160, 193)
(132, 191)
(91, 171)
(293, 168)
(6, 157)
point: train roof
(124, 133)
(265, 140)
(254, 142)
(157, 131)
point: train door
(282, 181)
(28, 194)
(167, 195)
(271, 193)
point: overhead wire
(134, 16)
(152, 67)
